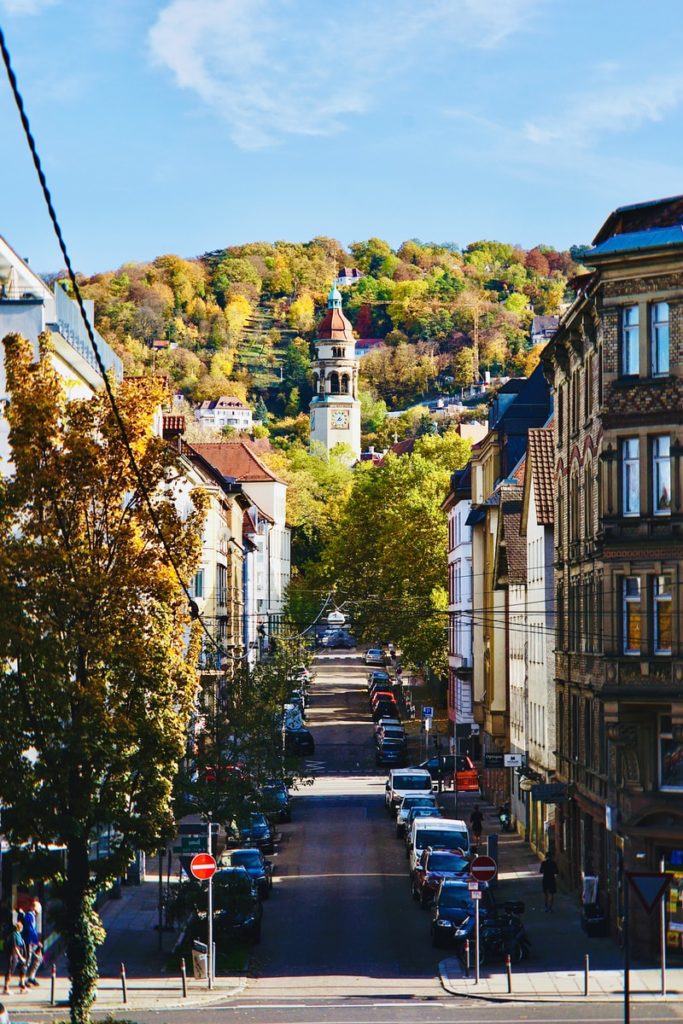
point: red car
(432, 868)
(382, 695)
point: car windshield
(440, 838)
(424, 812)
(254, 821)
(393, 734)
(417, 801)
(246, 858)
(412, 782)
(447, 862)
(455, 898)
(373, 653)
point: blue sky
(187, 125)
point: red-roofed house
(267, 494)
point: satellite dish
(336, 618)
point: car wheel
(518, 953)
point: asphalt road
(343, 943)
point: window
(630, 476)
(630, 341)
(661, 475)
(670, 756)
(588, 500)
(662, 607)
(631, 613)
(588, 387)
(198, 584)
(659, 338)
(221, 585)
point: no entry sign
(483, 869)
(203, 866)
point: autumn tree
(97, 682)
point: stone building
(616, 368)
(335, 405)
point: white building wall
(460, 619)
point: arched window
(316, 383)
(345, 384)
(588, 500)
(334, 383)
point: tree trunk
(80, 939)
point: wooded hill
(240, 320)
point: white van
(404, 781)
(440, 834)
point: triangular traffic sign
(650, 887)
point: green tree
(95, 681)
(392, 566)
(463, 367)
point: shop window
(670, 756)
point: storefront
(673, 865)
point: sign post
(482, 869)
(650, 888)
(203, 868)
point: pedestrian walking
(34, 946)
(17, 958)
(549, 870)
(476, 821)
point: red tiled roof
(335, 327)
(542, 459)
(513, 553)
(236, 459)
(173, 426)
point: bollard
(508, 968)
(586, 969)
(183, 977)
(123, 983)
(467, 958)
(53, 982)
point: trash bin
(200, 960)
(594, 922)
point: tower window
(334, 383)
(345, 384)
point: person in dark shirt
(476, 821)
(17, 958)
(549, 871)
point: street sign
(476, 895)
(650, 887)
(513, 760)
(203, 866)
(194, 844)
(483, 868)
(473, 886)
(427, 711)
(428, 724)
(493, 761)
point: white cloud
(590, 117)
(26, 6)
(269, 71)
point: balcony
(70, 325)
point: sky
(188, 125)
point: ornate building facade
(616, 368)
(335, 406)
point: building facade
(460, 701)
(30, 308)
(616, 367)
(225, 412)
(335, 406)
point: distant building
(348, 276)
(365, 345)
(335, 406)
(460, 701)
(543, 328)
(225, 412)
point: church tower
(335, 408)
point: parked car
(339, 638)
(383, 722)
(403, 782)
(427, 803)
(275, 801)
(418, 812)
(391, 732)
(375, 656)
(378, 676)
(299, 742)
(257, 867)
(251, 829)
(382, 695)
(432, 868)
(467, 780)
(453, 904)
(384, 709)
(391, 752)
(237, 909)
(437, 834)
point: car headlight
(441, 923)
(250, 919)
(461, 933)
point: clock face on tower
(340, 419)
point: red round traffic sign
(203, 866)
(483, 869)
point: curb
(534, 997)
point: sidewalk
(132, 939)
(555, 967)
